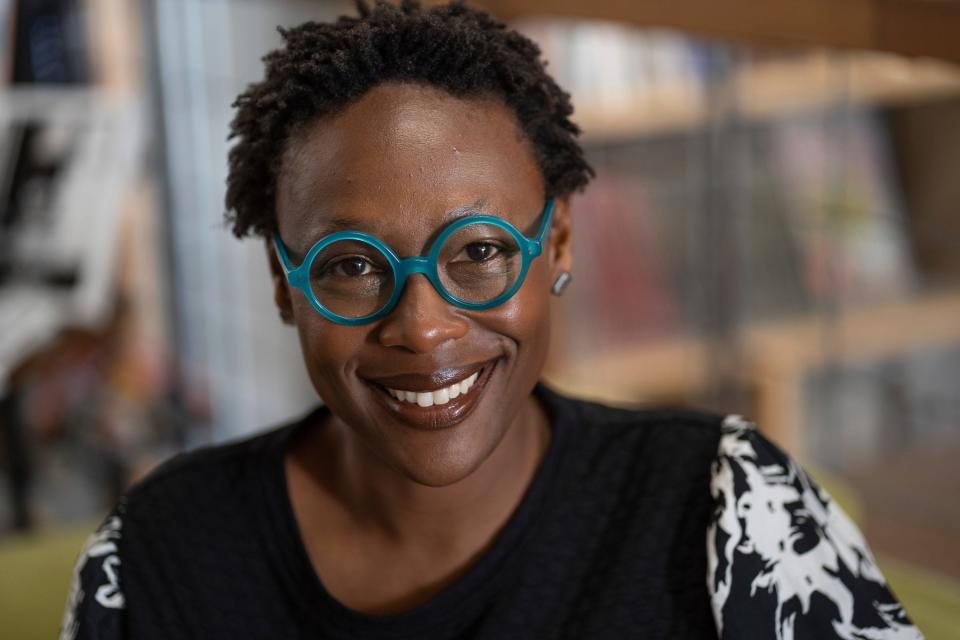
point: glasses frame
(299, 276)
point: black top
(609, 541)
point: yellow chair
(35, 574)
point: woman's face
(400, 163)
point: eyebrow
(347, 223)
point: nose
(422, 320)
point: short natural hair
(326, 66)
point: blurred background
(773, 230)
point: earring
(560, 284)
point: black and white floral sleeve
(95, 603)
(784, 561)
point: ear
(560, 248)
(281, 289)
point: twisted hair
(323, 67)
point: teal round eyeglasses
(477, 262)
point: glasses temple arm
(537, 244)
(282, 254)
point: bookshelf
(910, 27)
(775, 88)
(777, 357)
(835, 64)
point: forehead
(404, 157)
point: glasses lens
(479, 262)
(352, 279)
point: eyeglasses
(476, 263)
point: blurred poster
(844, 207)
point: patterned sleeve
(784, 561)
(95, 603)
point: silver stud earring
(560, 284)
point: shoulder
(198, 498)
(784, 559)
(95, 601)
(603, 420)
(209, 465)
(205, 481)
(195, 503)
(666, 440)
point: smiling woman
(409, 172)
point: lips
(432, 381)
(433, 416)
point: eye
(481, 251)
(352, 267)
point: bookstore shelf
(808, 183)
(777, 357)
(911, 27)
(59, 102)
(774, 88)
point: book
(49, 43)
(844, 206)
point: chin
(446, 460)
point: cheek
(525, 320)
(329, 352)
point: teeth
(440, 396)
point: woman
(410, 171)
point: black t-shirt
(611, 540)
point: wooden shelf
(772, 89)
(776, 358)
(911, 27)
(55, 103)
(674, 366)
